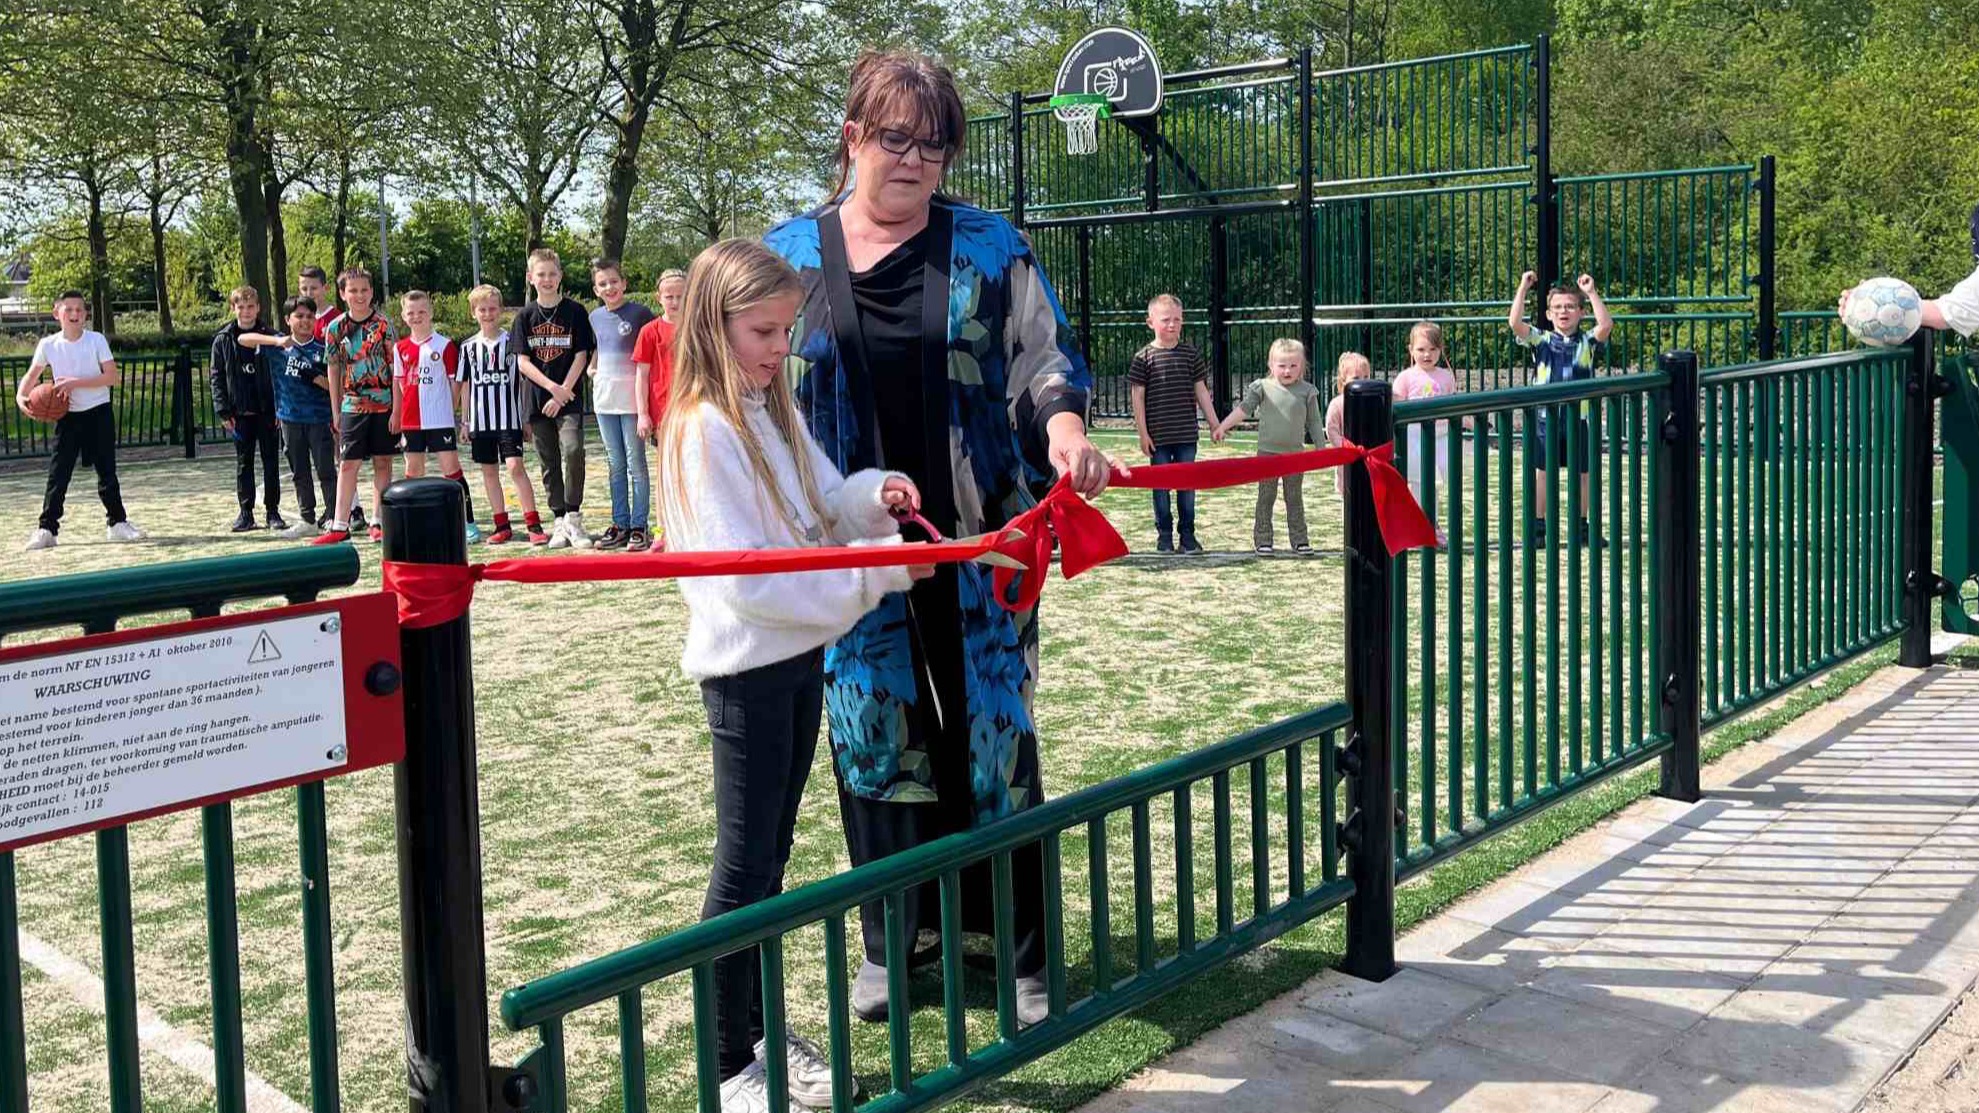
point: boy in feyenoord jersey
(360, 349)
(495, 430)
(426, 368)
(313, 284)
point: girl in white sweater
(749, 476)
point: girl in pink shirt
(1426, 377)
(1352, 365)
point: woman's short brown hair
(890, 87)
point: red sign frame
(374, 724)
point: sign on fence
(99, 731)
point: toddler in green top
(1287, 410)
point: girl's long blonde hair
(1352, 365)
(728, 278)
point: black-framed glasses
(895, 142)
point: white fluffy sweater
(737, 623)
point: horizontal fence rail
(1285, 775)
(95, 602)
(163, 400)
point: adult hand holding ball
(1882, 312)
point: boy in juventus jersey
(494, 394)
(427, 367)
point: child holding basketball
(426, 367)
(1426, 377)
(359, 345)
(78, 361)
(1563, 353)
(495, 438)
(1287, 410)
(751, 477)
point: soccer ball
(1883, 312)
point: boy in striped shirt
(1167, 382)
(495, 424)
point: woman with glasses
(931, 344)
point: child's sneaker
(807, 1070)
(612, 538)
(1192, 547)
(376, 533)
(573, 528)
(1303, 548)
(1265, 549)
(638, 540)
(125, 531)
(39, 539)
(333, 534)
(277, 523)
(473, 533)
(1163, 545)
(244, 523)
(501, 537)
(748, 1091)
(356, 517)
(300, 530)
(559, 535)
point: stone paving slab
(1778, 947)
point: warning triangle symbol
(264, 650)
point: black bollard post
(1920, 581)
(1677, 582)
(1369, 832)
(439, 823)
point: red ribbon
(430, 594)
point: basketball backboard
(1115, 63)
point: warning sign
(264, 650)
(119, 730)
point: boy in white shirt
(78, 359)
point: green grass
(596, 823)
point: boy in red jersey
(426, 401)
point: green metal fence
(1293, 861)
(161, 402)
(96, 602)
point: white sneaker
(39, 539)
(300, 530)
(573, 525)
(748, 1092)
(559, 536)
(125, 531)
(808, 1070)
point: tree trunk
(99, 260)
(340, 238)
(246, 162)
(621, 177)
(160, 287)
(278, 245)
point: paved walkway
(1777, 948)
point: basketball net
(1081, 114)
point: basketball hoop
(1081, 114)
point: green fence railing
(1294, 872)
(163, 401)
(96, 602)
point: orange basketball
(45, 403)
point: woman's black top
(890, 297)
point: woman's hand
(1074, 454)
(899, 492)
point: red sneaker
(499, 537)
(332, 537)
(537, 536)
(377, 534)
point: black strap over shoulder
(843, 309)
